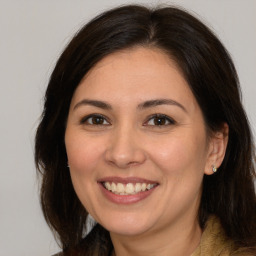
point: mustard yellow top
(214, 242)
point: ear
(217, 149)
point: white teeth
(137, 187)
(108, 186)
(119, 187)
(113, 187)
(127, 189)
(143, 186)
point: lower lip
(125, 199)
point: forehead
(136, 61)
(135, 74)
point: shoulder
(214, 241)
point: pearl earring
(214, 168)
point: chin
(126, 225)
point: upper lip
(126, 180)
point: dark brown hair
(211, 75)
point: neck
(179, 240)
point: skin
(129, 143)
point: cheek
(83, 158)
(83, 155)
(178, 154)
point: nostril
(125, 161)
(124, 150)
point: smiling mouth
(129, 188)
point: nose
(125, 149)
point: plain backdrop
(32, 36)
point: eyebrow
(95, 103)
(158, 102)
(144, 105)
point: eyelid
(85, 119)
(157, 115)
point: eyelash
(160, 117)
(85, 119)
(165, 118)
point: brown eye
(160, 120)
(95, 120)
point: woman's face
(136, 143)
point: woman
(144, 130)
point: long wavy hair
(209, 71)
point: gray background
(33, 34)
